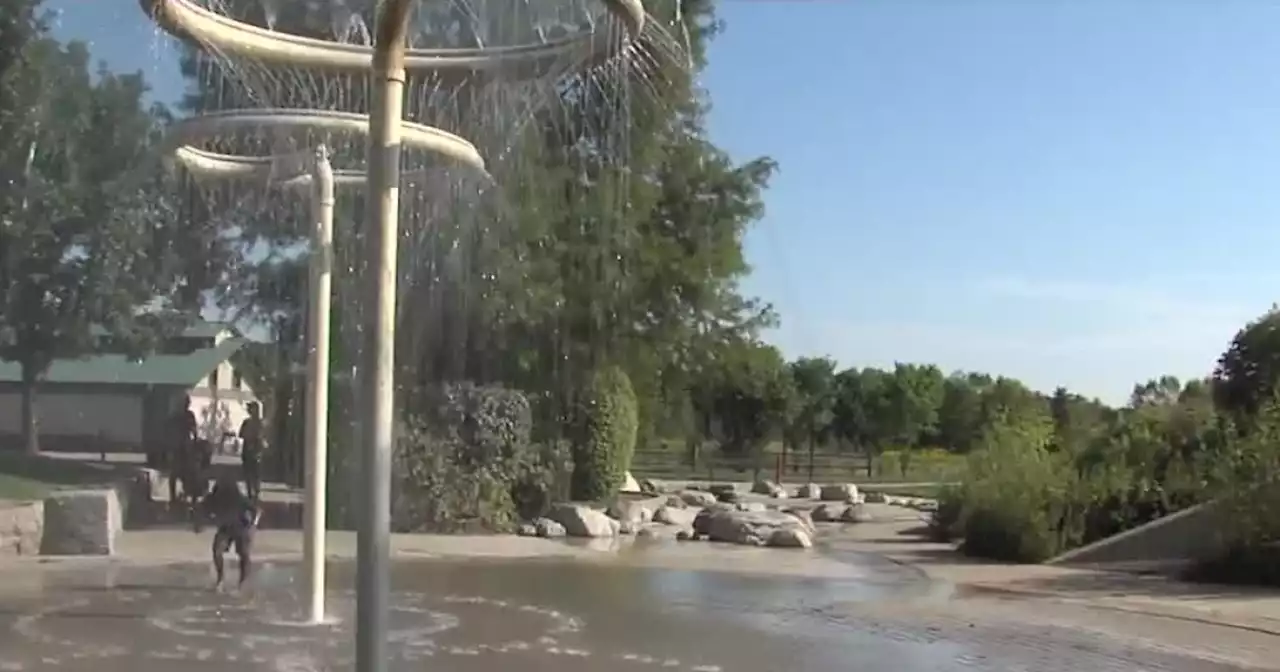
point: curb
(1172, 613)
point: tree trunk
(30, 423)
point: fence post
(778, 463)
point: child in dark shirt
(236, 517)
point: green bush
(944, 524)
(1015, 502)
(605, 435)
(464, 462)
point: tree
(912, 398)
(749, 397)
(1246, 374)
(960, 414)
(88, 237)
(814, 380)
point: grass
(23, 477)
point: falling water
(459, 229)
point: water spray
(391, 61)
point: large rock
(698, 498)
(750, 528)
(828, 513)
(629, 484)
(670, 515)
(547, 528)
(21, 524)
(724, 492)
(580, 520)
(81, 522)
(806, 520)
(856, 513)
(843, 492)
(789, 537)
(808, 491)
(768, 488)
(635, 510)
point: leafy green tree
(88, 235)
(1246, 375)
(859, 408)
(814, 380)
(913, 397)
(749, 397)
(960, 414)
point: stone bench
(81, 522)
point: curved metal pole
(373, 543)
(317, 429)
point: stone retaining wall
(21, 526)
(79, 522)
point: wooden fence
(711, 465)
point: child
(237, 518)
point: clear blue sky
(1075, 193)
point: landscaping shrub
(464, 462)
(944, 524)
(605, 437)
(1015, 501)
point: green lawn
(25, 477)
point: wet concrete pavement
(549, 614)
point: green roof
(184, 370)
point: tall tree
(814, 379)
(88, 236)
(1247, 373)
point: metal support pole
(373, 543)
(317, 429)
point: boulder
(675, 502)
(81, 522)
(659, 532)
(549, 529)
(635, 510)
(749, 528)
(843, 492)
(629, 484)
(768, 488)
(789, 537)
(21, 525)
(724, 492)
(874, 497)
(527, 530)
(697, 498)
(751, 506)
(829, 513)
(856, 513)
(650, 487)
(580, 520)
(806, 521)
(808, 491)
(670, 515)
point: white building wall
(114, 417)
(222, 408)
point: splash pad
(308, 165)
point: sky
(1082, 193)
